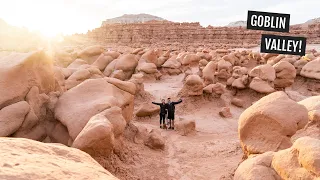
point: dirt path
(213, 152)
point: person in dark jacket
(171, 110)
(163, 112)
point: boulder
(294, 95)
(313, 106)
(114, 115)
(136, 51)
(148, 68)
(103, 61)
(299, 65)
(285, 74)
(77, 78)
(185, 127)
(150, 56)
(37, 102)
(91, 53)
(25, 70)
(265, 72)
(155, 140)
(208, 73)
(190, 58)
(77, 63)
(59, 134)
(147, 109)
(76, 106)
(238, 102)
(96, 138)
(20, 156)
(193, 86)
(257, 168)
(161, 61)
(123, 85)
(311, 69)
(225, 112)
(12, 117)
(172, 63)
(203, 62)
(261, 86)
(30, 121)
(269, 123)
(113, 54)
(301, 161)
(216, 89)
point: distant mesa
(313, 21)
(132, 18)
(237, 24)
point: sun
(49, 33)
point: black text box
(283, 44)
(267, 21)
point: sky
(51, 17)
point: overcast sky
(70, 16)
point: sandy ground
(213, 152)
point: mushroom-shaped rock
(148, 68)
(190, 58)
(150, 56)
(261, 86)
(311, 69)
(265, 72)
(208, 72)
(269, 123)
(172, 63)
(285, 74)
(193, 86)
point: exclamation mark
(300, 45)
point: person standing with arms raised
(171, 111)
(163, 112)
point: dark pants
(162, 118)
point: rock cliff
(169, 32)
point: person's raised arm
(178, 102)
(156, 103)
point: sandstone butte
(171, 32)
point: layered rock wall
(170, 32)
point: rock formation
(169, 32)
(27, 159)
